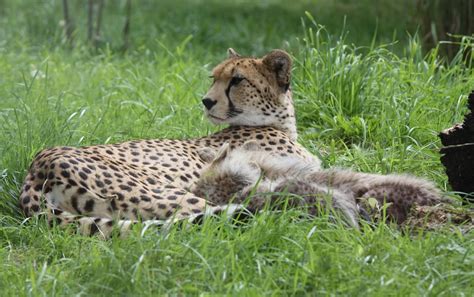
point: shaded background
(261, 24)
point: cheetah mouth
(217, 119)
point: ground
(368, 106)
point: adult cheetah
(149, 179)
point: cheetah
(258, 179)
(102, 186)
(234, 175)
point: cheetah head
(252, 92)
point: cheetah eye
(236, 80)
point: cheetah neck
(287, 122)
(281, 118)
(284, 117)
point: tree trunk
(441, 20)
(126, 27)
(68, 25)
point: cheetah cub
(238, 173)
(269, 181)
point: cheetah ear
(222, 153)
(207, 154)
(251, 145)
(231, 54)
(254, 165)
(279, 63)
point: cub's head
(252, 92)
(228, 173)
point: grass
(362, 102)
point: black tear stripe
(232, 110)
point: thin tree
(90, 17)
(98, 23)
(68, 24)
(126, 27)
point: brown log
(457, 154)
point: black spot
(64, 165)
(183, 178)
(65, 174)
(38, 187)
(125, 188)
(89, 206)
(151, 181)
(99, 183)
(192, 200)
(93, 229)
(134, 200)
(199, 219)
(145, 198)
(83, 175)
(120, 196)
(74, 204)
(26, 199)
(113, 204)
(259, 136)
(172, 197)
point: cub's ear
(251, 145)
(231, 53)
(207, 154)
(279, 63)
(222, 153)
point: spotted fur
(148, 180)
(251, 173)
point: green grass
(361, 103)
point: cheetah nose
(208, 103)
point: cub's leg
(300, 193)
